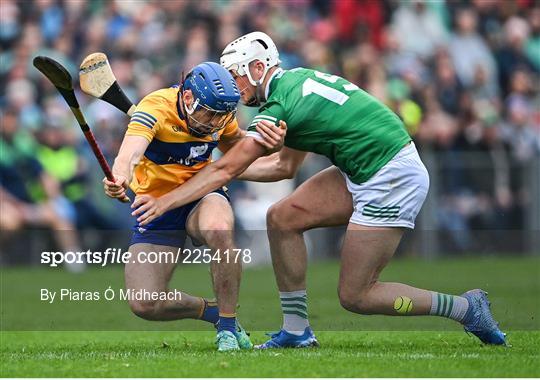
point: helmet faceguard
(202, 120)
(215, 99)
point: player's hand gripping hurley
(61, 79)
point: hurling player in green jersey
(376, 187)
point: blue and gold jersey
(173, 155)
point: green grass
(121, 345)
(191, 354)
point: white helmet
(253, 46)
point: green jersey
(328, 115)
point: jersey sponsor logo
(194, 152)
(186, 153)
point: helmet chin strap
(256, 100)
(193, 107)
(187, 112)
(259, 91)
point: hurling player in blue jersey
(169, 139)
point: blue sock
(210, 312)
(227, 322)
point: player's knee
(273, 216)
(146, 309)
(281, 216)
(347, 300)
(354, 301)
(218, 235)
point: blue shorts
(170, 228)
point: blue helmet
(212, 86)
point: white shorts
(394, 195)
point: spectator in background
(399, 61)
(519, 133)
(532, 45)
(448, 86)
(51, 20)
(21, 95)
(59, 158)
(399, 101)
(357, 62)
(481, 90)
(493, 186)
(10, 29)
(359, 21)
(419, 28)
(30, 195)
(489, 20)
(512, 56)
(468, 50)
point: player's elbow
(126, 160)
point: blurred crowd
(463, 76)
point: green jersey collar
(279, 71)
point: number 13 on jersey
(311, 86)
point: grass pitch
(192, 354)
(403, 347)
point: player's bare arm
(213, 176)
(275, 167)
(129, 155)
(227, 142)
(273, 138)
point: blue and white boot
(479, 321)
(226, 341)
(283, 339)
